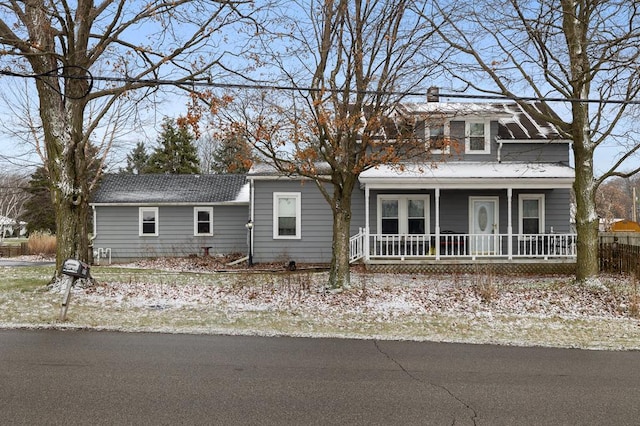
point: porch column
(366, 224)
(437, 228)
(509, 223)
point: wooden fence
(619, 252)
(12, 250)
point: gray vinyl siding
(316, 223)
(557, 209)
(454, 209)
(117, 229)
(551, 152)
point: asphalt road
(81, 377)
(11, 262)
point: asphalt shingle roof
(167, 188)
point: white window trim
(541, 210)
(403, 214)
(447, 136)
(141, 211)
(196, 210)
(297, 197)
(467, 137)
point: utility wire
(255, 86)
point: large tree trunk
(575, 23)
(71, 227)
(340, 272)
(586, 217)
(67, 165)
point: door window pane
(390, 217)
(416, 217)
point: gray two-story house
(503, 196)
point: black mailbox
(75, 268)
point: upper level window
(476, 139)
(148, 221)
(438, 137)
(203, 221)
(531, 209)
(286, 215)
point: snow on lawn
(187, 297)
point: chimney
(433, 94)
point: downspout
(95, 229)
(499, 141)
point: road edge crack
(474, 416)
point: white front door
(483, 226)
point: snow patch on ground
(189, 296)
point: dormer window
(438, 138)
(476, 139)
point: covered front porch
(466, 212)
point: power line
(256, 86)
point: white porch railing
(411, 246)
(356, 246)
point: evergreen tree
(232, 155)
(136, 160)
(176, 153)
(39, 212)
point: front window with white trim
(286, 215)
(203, 221)
(148, 221)
(403, 214)
(476, 139)
(531, 213)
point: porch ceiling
(470, 175)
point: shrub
(42, 243)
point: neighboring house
(142, 216)
(8, 227)
(504, 197)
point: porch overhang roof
(470, 175)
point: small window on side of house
(286, 215)
(203, 221)
(148, 222)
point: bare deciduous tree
(568, 50)
(61, 43)
(353, 62)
